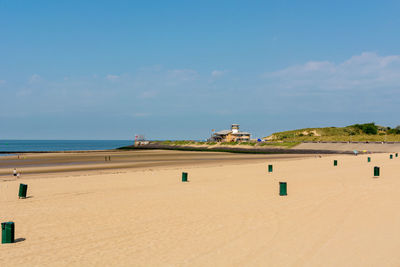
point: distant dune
(357, 132)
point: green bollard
(282, 188)
(23, 188)
(391, 156)
(369, 159)
(270, 168)
(7, 232)
(184, 177)
(335, 162)
(376, 171)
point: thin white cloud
(182, 75)
(112, 78)
(26, 92)
(35, 78)
(365, 71)
(148, 94)
(141, 114)
(218, 73)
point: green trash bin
(270, 168)
(376, 171)
(7, 232)
(335, 162)
(23, 188)
(282, 188)
(391, 156)
(369, 159)
(184, 177)
(396, 155)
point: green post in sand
(22, 190)
(335, 162)
(184, 177)
(376, 171)
(270, 168)
(7, 232)
(391, 156)
(282, 188)
(369, 159)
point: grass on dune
(353, 133)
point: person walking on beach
(15, 172)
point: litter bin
(7, 232)
(282, 188)
(391, 156)
(376, 171)
(335, 162)
(184, 177)
(23, 188)
(369, 159)
(269, 168)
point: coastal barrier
(236, 149)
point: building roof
(225, 132)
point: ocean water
(60, 145)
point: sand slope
(229, 215)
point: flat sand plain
(228, 214)
(44, 163)
(374, 147)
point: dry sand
(229, 214)
(373, 147)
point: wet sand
(40, 163)
(229, 214)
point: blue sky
(177, 69)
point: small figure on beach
(15, 172)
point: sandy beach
(228, 214)
(31, 164)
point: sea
(60, 145)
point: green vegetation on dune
(357, 132)
(238, 144)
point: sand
(40, 163)
(361, 146)
(229, 214)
